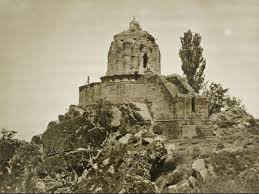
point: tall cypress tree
(193, 63)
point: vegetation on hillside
(193, 63)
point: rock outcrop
(235, 117)
(113, 148)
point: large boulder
(116, 117)
(233, 117)
(65, 163)
(141, 112)
(73, 112)
(124, 168)
(55, 138)
(199, 169)
(125, 139)
(60, 173)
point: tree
(193, 64)
(232, 101)
(216, 96)
(7, 134)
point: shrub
(193, 63)
(196, 152)
(216, 96)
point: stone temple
(134, 75)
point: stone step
(206, 130)
(205, 127)
(201, 122)
(196, 121)
(208, 133)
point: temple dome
(133, 51)
(134, 25)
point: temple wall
(123, 92)
(134, 74)
(183, 107)
(201, 107)
(163, 106)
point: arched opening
(193, 104)
(145, 60)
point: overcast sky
(49, 47)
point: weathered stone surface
(55, 138)
(133, 75)
(204, 174)
(189, 131)
(193, 181)
(129, 171)
(200, 170)
(129, 166)
(181, 187)
(66, 163)
(233, 117)
(39, 185)
(141, 112)
(106, 162)
(110, 147)
(133, 51)
(198, 165)
(170, 147)
(147, 140)
(152, 90)
(125, 139)
(116, 117)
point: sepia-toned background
(49, 47)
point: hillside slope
(112, 148)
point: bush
(228, 185)
(193, 63)
(216, 96)
(231, 102)
(196, 152)
(104, 115)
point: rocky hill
(113, 148)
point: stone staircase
(205, 130)
(189, 129)
(203, 127)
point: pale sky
(49, 47)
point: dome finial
(134, 25)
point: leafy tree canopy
(193, 63)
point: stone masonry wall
(201, 107)
(150, 90)
(123, 92)
(132, 52)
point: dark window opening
(193, 104)
(145, 60)
(141, 47)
